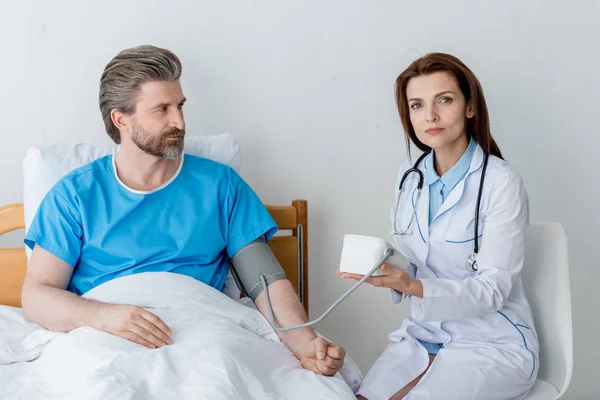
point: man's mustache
(174, 133)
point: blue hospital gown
(190, 225)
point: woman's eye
(446, 99)
(415, 106)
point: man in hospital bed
(149, 209)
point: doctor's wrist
(415, 288)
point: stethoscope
(471, 263)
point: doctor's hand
(322, 357)
(396, 279)
(133, 323)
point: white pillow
(43, 166)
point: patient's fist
(323, 357)
(135, 324)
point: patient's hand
(135, 324)
(322, 357)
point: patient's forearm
(288, 311)
(57, 309)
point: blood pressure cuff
(250, 262)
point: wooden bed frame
(291, 250)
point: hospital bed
(246, 358)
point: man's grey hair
(124, 75)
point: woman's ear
(470, 113)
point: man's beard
(159, 146)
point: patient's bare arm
(315, 353)
(46, 302)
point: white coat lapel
(458, 190)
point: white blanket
(222, 350)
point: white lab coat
(482, 318)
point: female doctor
(470, 334)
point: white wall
(307, 87)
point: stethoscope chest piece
(472, 263)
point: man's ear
(120, 119)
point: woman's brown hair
(478, 127)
